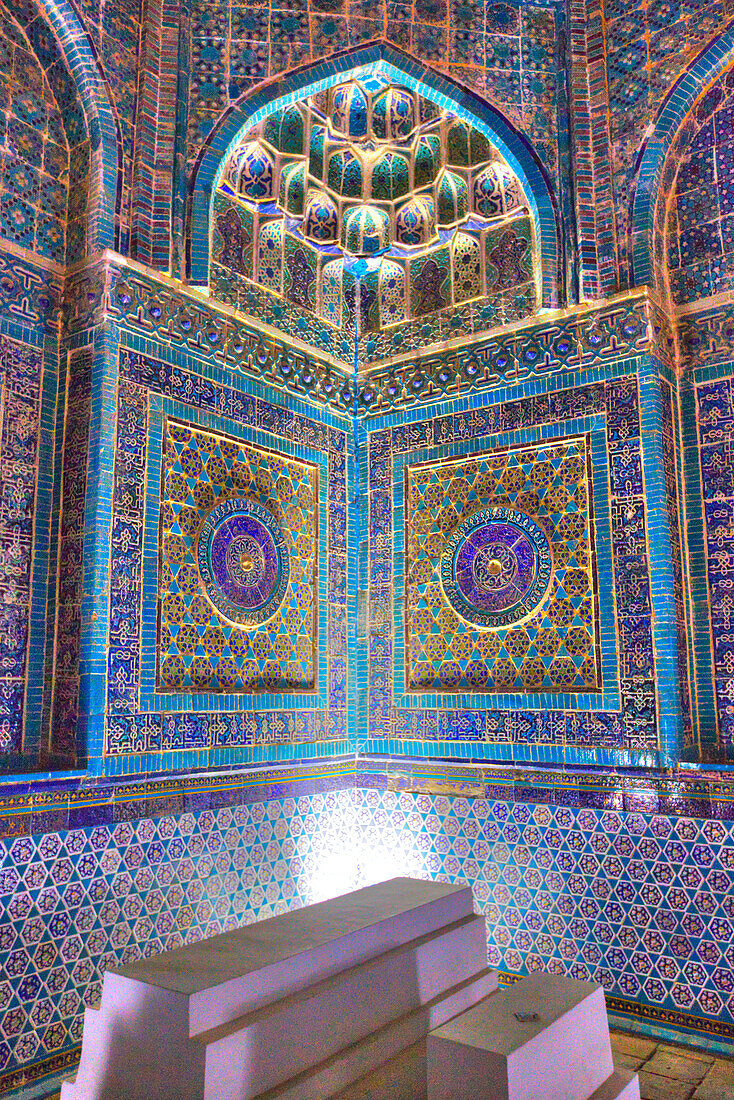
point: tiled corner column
(662, 575)
(706, 405)
(97, 538)
(83, 602)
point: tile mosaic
(558, 899)
(698, 228)
(444, 651)
(136, 889)
(624, 877)
(257, 572)
(551, 648)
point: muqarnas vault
(369, 207)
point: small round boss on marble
(243, 561)
(496, 567)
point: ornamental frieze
(112, 289)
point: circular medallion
(496, 567)
(243, 561)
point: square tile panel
(501, 591)
(238, 566)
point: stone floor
(670, 1072)
(667, 1072)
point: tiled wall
(637, 896)
(504, 51)
(637, 900)
(700, 231)
(552, 689)
(46, 142)
(507, 52)
(35, 162)
(640, 902)
(115, 40)
(647, 47)
(75, 902)
(241, 446)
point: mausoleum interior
(366, 486)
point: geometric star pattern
(79, 901)
(199, 648)
(555, 647)
(641, 903)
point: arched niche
(66, 55)
(398, 68)
(656, 163)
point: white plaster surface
(564, 1055)
(324, 994)
(237, 972)
(382, 1066)
(137, 1045)
(272, 1044)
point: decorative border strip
(36, 1071)
(25, 809)
(30, 295)
(158, 307)
(32, 811)
(706, 795)
(706, 336)
(673, 1017)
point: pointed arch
(78, 56)
(400, 68)
(707, 67)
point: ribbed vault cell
(369, 207)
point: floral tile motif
(639, 902)
(237, 579)
(76, 902)
(501, 587)
(450, 648)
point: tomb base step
(327, 993)
(545, 1038)
(404, 1078)
(356, 1070)
(273, 1044)
(624, 1084)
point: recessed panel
(501, 591)
(237, 572)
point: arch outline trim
(400, 67)
(714, 60)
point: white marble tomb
(300, 1006)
